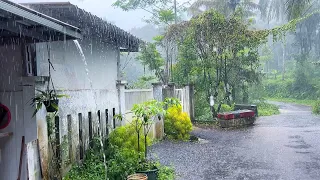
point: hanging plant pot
(5, 116)
(137, 177)
(52, 105)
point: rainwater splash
(83, 58)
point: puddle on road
(203, 141)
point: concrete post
(121, 98)
(168, 91)
(158, 127)
(191, 102)
(157, 91)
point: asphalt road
(285, 146)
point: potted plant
(49, 99)
(137, 177)
(144, 115)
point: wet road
(285, 146)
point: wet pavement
(285, 146)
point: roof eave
(42, 19)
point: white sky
(103, 8)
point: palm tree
(284, 9)
(225, 7)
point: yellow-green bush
(177, 124)
(125, 137)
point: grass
(266, 109)
(314, 103)
(306, 102)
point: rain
(159, 89)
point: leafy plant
(166, 173)
(147, 166)
(177, 124)
(225, 108)
(266, 109)
(123, 138)
(123, 163)
(144, 115)
(92, 168)
(316, 107)
(48, 98)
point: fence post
(190, 100)
(168, 91)
(159, 124)
(157, 91)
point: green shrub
(92, 168)
(123, 163)
(316, 107)
(166, 173)
(177, 124)
(225, 108)
(266, 109)
(125, 137)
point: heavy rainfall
(159, 89)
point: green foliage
(306, 102)
(166, 173)
(161, 10)
(147, 110)
(45, 98)
(143, 82)
(218, 54)
(302, 82)
(150, 57)
(225, 7)
(266, 109)
(316, 107)
(226, 108)
(166, 15)
(92, 168)
(123, 163)
(124, 137)
(177, 124)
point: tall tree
(225, 7)
(284, 9)
(163, 14)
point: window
(29, 60)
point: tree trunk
(283, 61)
(245, 98)
(233, 93)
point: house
(20, 29)
(40, 43)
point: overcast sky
(103, 8)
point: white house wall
(11, 95)
(90, 85)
